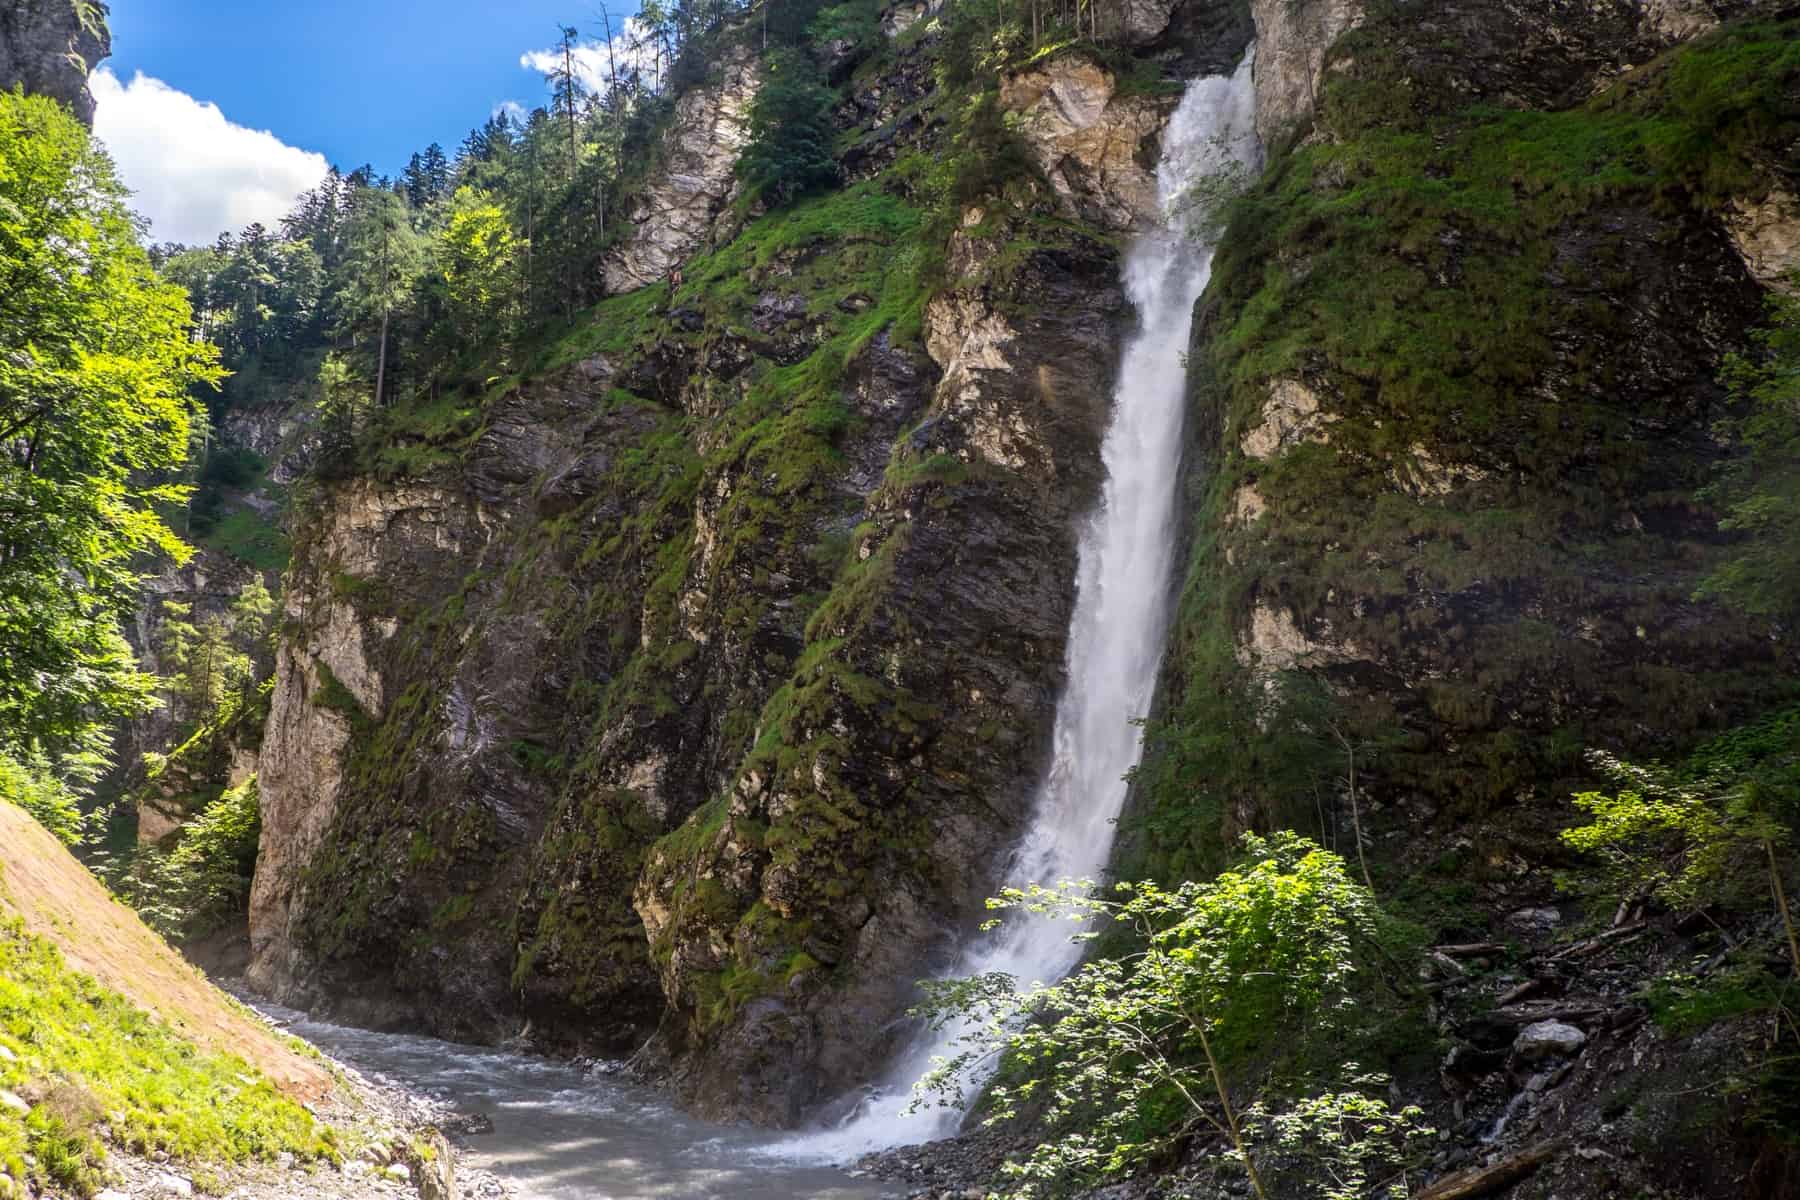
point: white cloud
(631, 47)
(195, 174)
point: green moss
(251, 537)
(1430, 272)
(331, 693)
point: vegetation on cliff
(95, 416)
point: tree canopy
(97, 367)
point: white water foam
(1121, 612)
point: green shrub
(1126, 1057)
(203, 884)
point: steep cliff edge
(1455, 388)
(699, 682)
(48, 47)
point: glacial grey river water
(564, 1134)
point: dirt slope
(56, 897)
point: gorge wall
(695, 683)
(48, 47)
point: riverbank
(395, 1144)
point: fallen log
(1594, 943)
(1479, 1181)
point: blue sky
(333, 81)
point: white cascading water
(1121, 610)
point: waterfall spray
(1120, 622)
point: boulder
(1542, 1039)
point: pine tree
(790, 149)
(382, 260)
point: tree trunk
(1231, 1121)
(381, 359)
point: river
(561, 1133)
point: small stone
(6, 1054)
(398, 1173)
(9, 1100)
(1546, 1038)
(1535, 917)
(112, 1194)
(285, 1160)
(171, 1185)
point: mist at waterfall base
(1116, 634)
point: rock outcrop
(48, 47)
(864, 831)
(1473, 533)
(683, 207)
(1097, 148)
(1292, 39)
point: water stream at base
(1116, 634)
(564, 1134)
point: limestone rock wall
(1097, 148)
(681, 209)
(48, 47)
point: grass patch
(84, 1057)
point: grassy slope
(112, 1028)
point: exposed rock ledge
(1097, 148)
(324, 673)
(683, 206)
(48, 47)
(1767, 235)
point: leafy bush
(204, 882)
(1128, 1056)
(40, 792)
(1716, 831)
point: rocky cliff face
(683, 209)
(1454, 393)
(699, 685)
(49, 46)
(702, 688)
(1522, 426)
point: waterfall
(1116, 635)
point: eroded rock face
(1097, 148)
(680, 210)
(1292, 38)
(844, 854)
(1411, 522)
(328, 681)
(1766, 233)
(48, 47)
